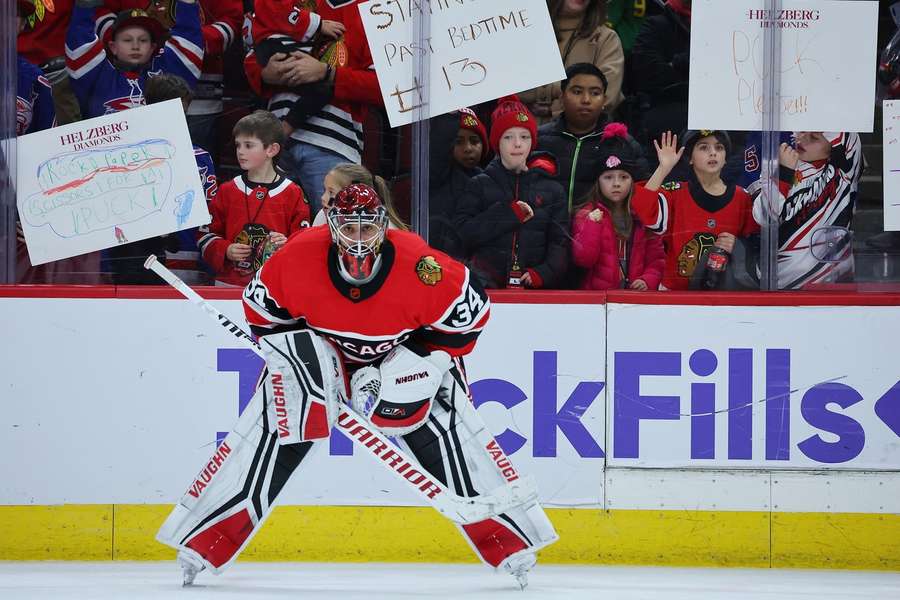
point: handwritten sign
(828, 50)
(115, 179)
(476, 50)
(891, 177)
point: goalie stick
(368, 439)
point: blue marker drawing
(183, 204)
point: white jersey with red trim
(813, 196)
(418, 296)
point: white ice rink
(357, 581)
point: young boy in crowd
(574, 137)
(182, 254)
(696, 215)
(512, 219)
(221, 22)
(253, 214)
(107, 84)
(458, 147)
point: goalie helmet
(358, 223)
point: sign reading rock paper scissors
(828, 53)
(115, 179)
(474, 51)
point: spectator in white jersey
(818, 181)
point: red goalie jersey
(418, 295)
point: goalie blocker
(235, 491)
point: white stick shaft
(198, 300)
(454, 507)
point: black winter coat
(661, 56)
(488, 225)
(447, 182)
(579, 157)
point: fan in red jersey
(378, 307)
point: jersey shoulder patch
(671, 186)
(429, 270)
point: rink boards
(732, 433)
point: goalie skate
(458, 450)
(233, 495)
(190, 566)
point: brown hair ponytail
(350, 173)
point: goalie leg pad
(233, 494)
(306, 383)
(458, 450)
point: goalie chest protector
(418, 291)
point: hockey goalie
(374, 318)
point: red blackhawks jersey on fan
(279, 206)
(690, 220)
(338, 126)
(418, 294)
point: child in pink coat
(608, 240)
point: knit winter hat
(469, 120)
(510, 112)
(692, 136)
(618, 152)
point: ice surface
(357, 581)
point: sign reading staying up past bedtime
(474, 51)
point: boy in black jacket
(512, 219)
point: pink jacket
(594, 247)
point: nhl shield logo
(429, 270)
(711, 223)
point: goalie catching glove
(305, 385)
(397, 397)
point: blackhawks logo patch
(522, 117)
(429, 270)
(671, 186)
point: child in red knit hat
(513, 218)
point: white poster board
(476, 51)
(891, 118)
(115, 179)
(828, 58)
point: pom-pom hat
(618, 152)
(510, 112)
